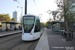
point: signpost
(54, 14)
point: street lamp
(15, 0)
(21, 10)
(40, 15)
(25, 5)
(18, 2)
(20, 7)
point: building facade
(15, 16)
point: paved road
(14, 42)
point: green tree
(6, 17)
(66, 13)
(48, 23)
(1, 17)
(66, 10)
(13, 19)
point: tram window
(28, 25)
(37, 26)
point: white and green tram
(30, 27)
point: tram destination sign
(28, 17)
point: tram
(30, 27)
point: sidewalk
(9, 33)
(54, 41)
(58, 42)
(43, 42)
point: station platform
(9, 32)
(54, 41)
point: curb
(43, 42)
(3, 35)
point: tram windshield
(28, 24)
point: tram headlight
(31, 33)
(22, 33)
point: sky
(35, 7)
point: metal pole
(25, 6)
